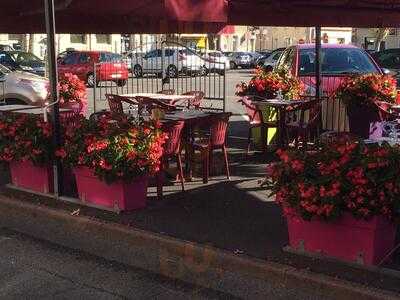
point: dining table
(168, 99)
(283, 107)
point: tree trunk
(381, 35)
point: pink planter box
(28, 176)
(349, 239)
(118, 196)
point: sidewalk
(227, 236)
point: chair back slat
(173, 143)
(218, 129)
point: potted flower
(112, 159)
(363, 95)
(26, 145)
(268, 84)
(72, 92)
(341, 201)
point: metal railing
(158, 66)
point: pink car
(337, 63)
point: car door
(149, 61)
(83, 66)
(68, 64)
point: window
(151, 54)
(103, 38)
(84, 58)
(70, 59)
(336, 61)
(78, 38)
(110, 57)
(390, 60)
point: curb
(205, 266)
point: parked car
(127, 58)
(240, 59)
(272, 59)
(178, 60)
(109, 67)
(216, 61)
(25, 61)
(18, 87)
(338, 62)
(390, 60)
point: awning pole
(55, 114)
(318, 63)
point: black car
(389, 60)
(23, 61)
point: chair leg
(228, 175)
(180, 169)
(206, 165)
(249, 140)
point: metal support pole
(55, 114)
(318, 63)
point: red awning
(116, 16)
(358, 13)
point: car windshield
(24, 57)
(336, 61)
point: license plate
(116, 75)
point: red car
(337, 62)
(109, 66)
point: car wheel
(232, 65)
(121, 82)
(172, 71)
(203, 71)
(90, 80)
(138, 71)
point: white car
(216, 61)
(18, 87)
(177, 61)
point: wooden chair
(303, 129)
(216, 140)
(256, 120)
(115, 102)
(167, 92)
(172, 149)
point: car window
(390, 60)
(168, 52)
(276, 56)
(70, 59)
(336, 61)
(5, 58)
(84, 58)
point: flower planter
(118, 196)
(28, 176)
(360, 118)
(349, 239)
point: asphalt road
(33, 269)
(212, 85)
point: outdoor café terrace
(194, 180)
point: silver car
(17, 87)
